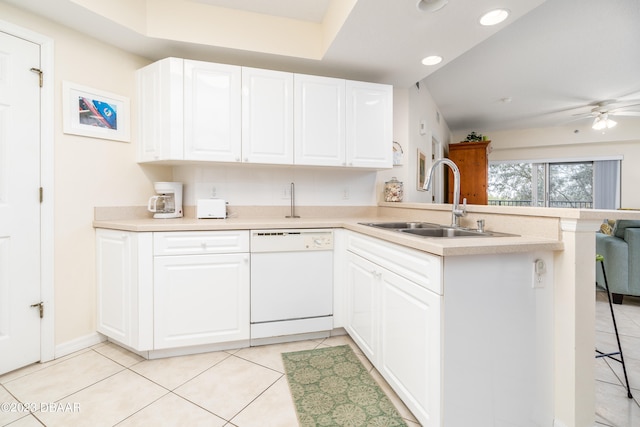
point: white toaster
(211, 208)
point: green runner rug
(330, 387)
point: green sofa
(621, 252)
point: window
(576, 184)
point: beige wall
(88, 172)
(565, 143)
(410, 107)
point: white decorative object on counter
(211, 208)
(398, 152)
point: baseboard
(78, 344)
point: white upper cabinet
(369, 125)
(211, 111)
(189, 110)
(201, 111)
(319, 121)
(160, 98)
(267, 116)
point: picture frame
(422, 170)
(95, 113)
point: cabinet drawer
(419, 267)
(200, 242)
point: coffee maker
(168, 202)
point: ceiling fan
(603, 111)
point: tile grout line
(254, 399)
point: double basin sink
(427, 229)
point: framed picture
(422, 170)
(95, 113)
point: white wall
(267, 185)
(87, 172)
(571, 142)
(411, 106)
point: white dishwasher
(291, 282)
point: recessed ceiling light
(432, 60)
(494, 17)
(431, 5)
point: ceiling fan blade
(566, 122)
(624, 107)
(625, 113)
(586, 115)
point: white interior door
(19, 203)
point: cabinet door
(200, 299)
(369, 125)
(160, 111)
(473, 162)
(211, 111)
(410, 345)
(362, 293)
(319, 121)
(114, 275)
(124, 279)
(267, 116)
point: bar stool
(600, 259)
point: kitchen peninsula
(484, 283)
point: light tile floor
(106, 385)
(613, 408)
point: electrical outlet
(213, 192)
(345, 193)
(539, 273)
(286, 192)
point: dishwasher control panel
(291, 240)
(318, 241)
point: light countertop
(436, 246)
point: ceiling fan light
(601, 123)
(494, 17)
(598, 124)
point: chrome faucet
(456, 212)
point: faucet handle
(461, 212)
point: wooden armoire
(472, 158)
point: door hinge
(39, 71)
(40, 306)
(41, 194)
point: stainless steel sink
(427, 229)
(401, 225)
(445, 232)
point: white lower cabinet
(463, 340)
(200, 299)
(171, 290)
(409, 355)
(362, 295)
(394, 316)
(124, 265)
